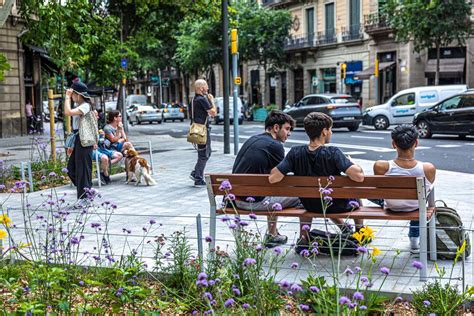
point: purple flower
(295, 265)
(259, 248)
(250, 199)
(249, 262)
(284, 284)
(228, 303)
(202, 283)
(277, 207)
(348, 271)
(64, 170)
(398, 299)
(363, 307)
(417, 264)
(225, 218)
(246, 306)
(208, 295)
(296, 288)
(236, 291)
(304, 253)
(304, 307)
(358, 269)
(232, 226)
(202, 276)
(352, 305)
(95, 225)
(230, 197)
(278, 250)
(119, 291)
(331, 178)
(225, 185)
(152, 222)
(2, 187)
(327, 198)
(354, 204)
(75, 240)
(306, 227)
(344, 300)
(385, 270)
(364, 279)
(426, 303)
(361, 249)
(243, 223)
(81, 283)
(288, 307)
(266, 203)
(252, 216)
(431, 314)
(358, 296)
(314, 289)
(208, 239)
(52, 174)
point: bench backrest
(373, 187)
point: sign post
(237, 82)
(124, 65)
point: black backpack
(450, 232)
(345, 244)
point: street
(446, 152)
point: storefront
(353, 86)
(328, 82)
(452, 66)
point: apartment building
(328, 33)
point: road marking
(354, 146)
(367, 137)
(447, 146)
(355, 152)
(377, 132)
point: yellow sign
(238, 81)
(376, 70)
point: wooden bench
(373, 187)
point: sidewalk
(175, 196)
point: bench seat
(364, 212)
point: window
(450, 104)
(310, 22)
(311, 101)
(343, 100)
(468, 101)
(329, 20)
(405, 99)
(354, 17)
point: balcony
(352, 33)
(298, 42)
(328, 37)
(279, 3)
(376, 24)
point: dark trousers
(204, 152)
(79, 167)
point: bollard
(199, 240)
(51, 124)
(151, 157)
(30, 176)
(97, 167)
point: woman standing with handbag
(84, 125)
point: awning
(46, 61)
(448, 67)
(368, 72)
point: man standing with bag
(201, 108)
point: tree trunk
(264, 88)
(438, 53)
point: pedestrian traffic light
(343, 70)
(233, 41)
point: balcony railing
(352, 33)
(276, 3)
(376, 23)
(328, 37)
(301, 41)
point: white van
(220, 110)
(401, 108)
(135, 99)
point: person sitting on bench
(405, 140)
(259, 155)
(318, 160)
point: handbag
(197, 132)
(70, 139)
(88, 129)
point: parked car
(144, 113)
(220, 110)
(401, 108)
(135, 98)
(172, 112)
(110, 106)
(57, 104)
(342, 108)
(454, 115)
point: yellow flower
(367, 232)
(460, 251)
(376, 251)
(358, 236)
(5, 220)
(3, 234)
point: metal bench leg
(432, 233)
(423, 227)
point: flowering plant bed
(73, 263)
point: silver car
(144, 113)
(342, 108)
(172, 112)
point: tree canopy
(4, 66)
(430, 23)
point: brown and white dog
(138, 166)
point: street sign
(124, 63)
(237, 81)
(155, 78)
(315, 81)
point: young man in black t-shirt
(316, 159)
(259, 155)
(201, 108)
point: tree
(4, 66)
(430, 23)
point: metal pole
(97, 167)
(30, 176)
(51, 124)
(199, 238)
(225, 64)
(376, 83)
(236, 105)
(151, 156)
(22, 167)
(161, 87)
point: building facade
(328, 33)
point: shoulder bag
(88, 129)
(197, 132)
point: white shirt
(84, 108)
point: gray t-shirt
(109, 130)
(85, 108)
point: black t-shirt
(324, 161)
(200, 107)
(259, 155)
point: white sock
(415, 242)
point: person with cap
(80, 162)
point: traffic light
(233, 41)
(343, 70)
(376, 70)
